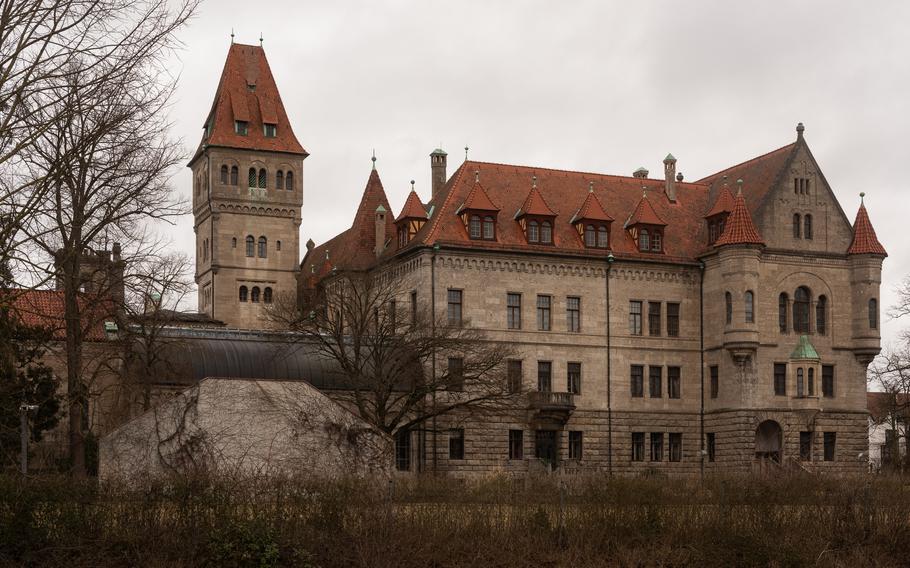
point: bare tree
(890, 373)
(102, 161)
(400, 368)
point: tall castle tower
(247, 195)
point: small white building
(887, 430)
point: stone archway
(768, 441)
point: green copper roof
(440, 151)
(804, 349)
(669, 158)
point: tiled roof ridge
(703, 181)
(865, 240)
(587, 173)
(739, 228)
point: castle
(721, 324)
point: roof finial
(862, 194)
(533, 181)
(232, 36)
(739, 185)
(466, 153)
(644, 191)
(591, 186)
(799, 130)
(260, 39)
(326, 254)
(412, 185)
(374, 158)
(476, 176)
(725, 180)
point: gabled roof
(477, 200)
(535, 205)
(413, 208)
(591, 210)
(45, 309)
(739, 228)
(247, 92)
(723, 203)
(644, 214)
(864, 239)
(760, 175)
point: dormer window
(592, 222)
(270, 130)
(478, 213)
(475, 228)
(411, 219)
(489, 228)
(644, 244)
(241, 127)
(546, 233)
(533, 232)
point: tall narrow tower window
(263, 178)
(252, 177)
(807, 227)
(263, 247)
(796, 225)
(233, 242)
(821, 315)
(243, 293)
(267, 296)
(782, 302)
(250, 245)
(750, 306)
(801, 310)
(289, 181)
(279, 179)
(873, 313)
(234, 175)
(224, 174)
(270, 130)
(254, 296)
(728, 300)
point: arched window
(250, 245)
(234, 175)
(474, 226)
(252, 177)
(656, 241)
(289, 181)
(728, 298)
(267, 296)
(234, 242)
(750, 306)
(243, 293)
(489, 228)
(821, 315)
(224, 174)
(277, 245)
(807, 227)
(263, 178)
(590, 236)
(811, 381)
(782, 302)
(254, 297)
(546, 232)
(263, 247)
(533, 232)
(797, 222)
(644, 243)
(279, 180)
(873, 313)
(800, 380)
(603, 237)
(801, 310)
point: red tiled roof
(44, 309)
(477, 199)
(644, 214)
(591, 210)
(739, 228)
(864, 239)
(760, 175)
(413, 208)
(536, 205)
(247, 92)
(723, 204)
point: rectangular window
(654, 319)
(413, 308)
(454, 312)
(573, 378)
(513, 310)
(456, 374)
(544, 376)
(805, 446)
(780, 379)
(636, 379)
(672, 319)
(655, 381)
(514, 375)
(456, 444)
(673, 380)
(828, 381)
(635, 317)
(403, 450)
(638, 446)
(575, 445)
(711, 446)
(573, 314)
(830, 446)
(516, 444)
(270, 130)
(675, 446)
(393, 316)
(241, 127)
(657, 446)
(543, 313)
(715, 380)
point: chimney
(670, 177)
(380, 230)
(438, 169)
(640, 173)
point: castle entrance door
(768, 441)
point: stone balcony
(550, 407)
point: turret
(866, 254)
(670, 177)
(438, 170)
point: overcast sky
(592, 86)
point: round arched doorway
(768, 441)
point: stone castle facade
(661, 325)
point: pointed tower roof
(413, 208)
(864, 239)
(247, 92)
(723, 204)
(534, 204)
(591, 209)
(477, 199)
(644, 214)
(739, 229)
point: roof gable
(644, 214)
(535, 205)
(413, 208)
(478, 199)
(591, 209)
(723, 204)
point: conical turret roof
(864, 239)
(739, 228)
